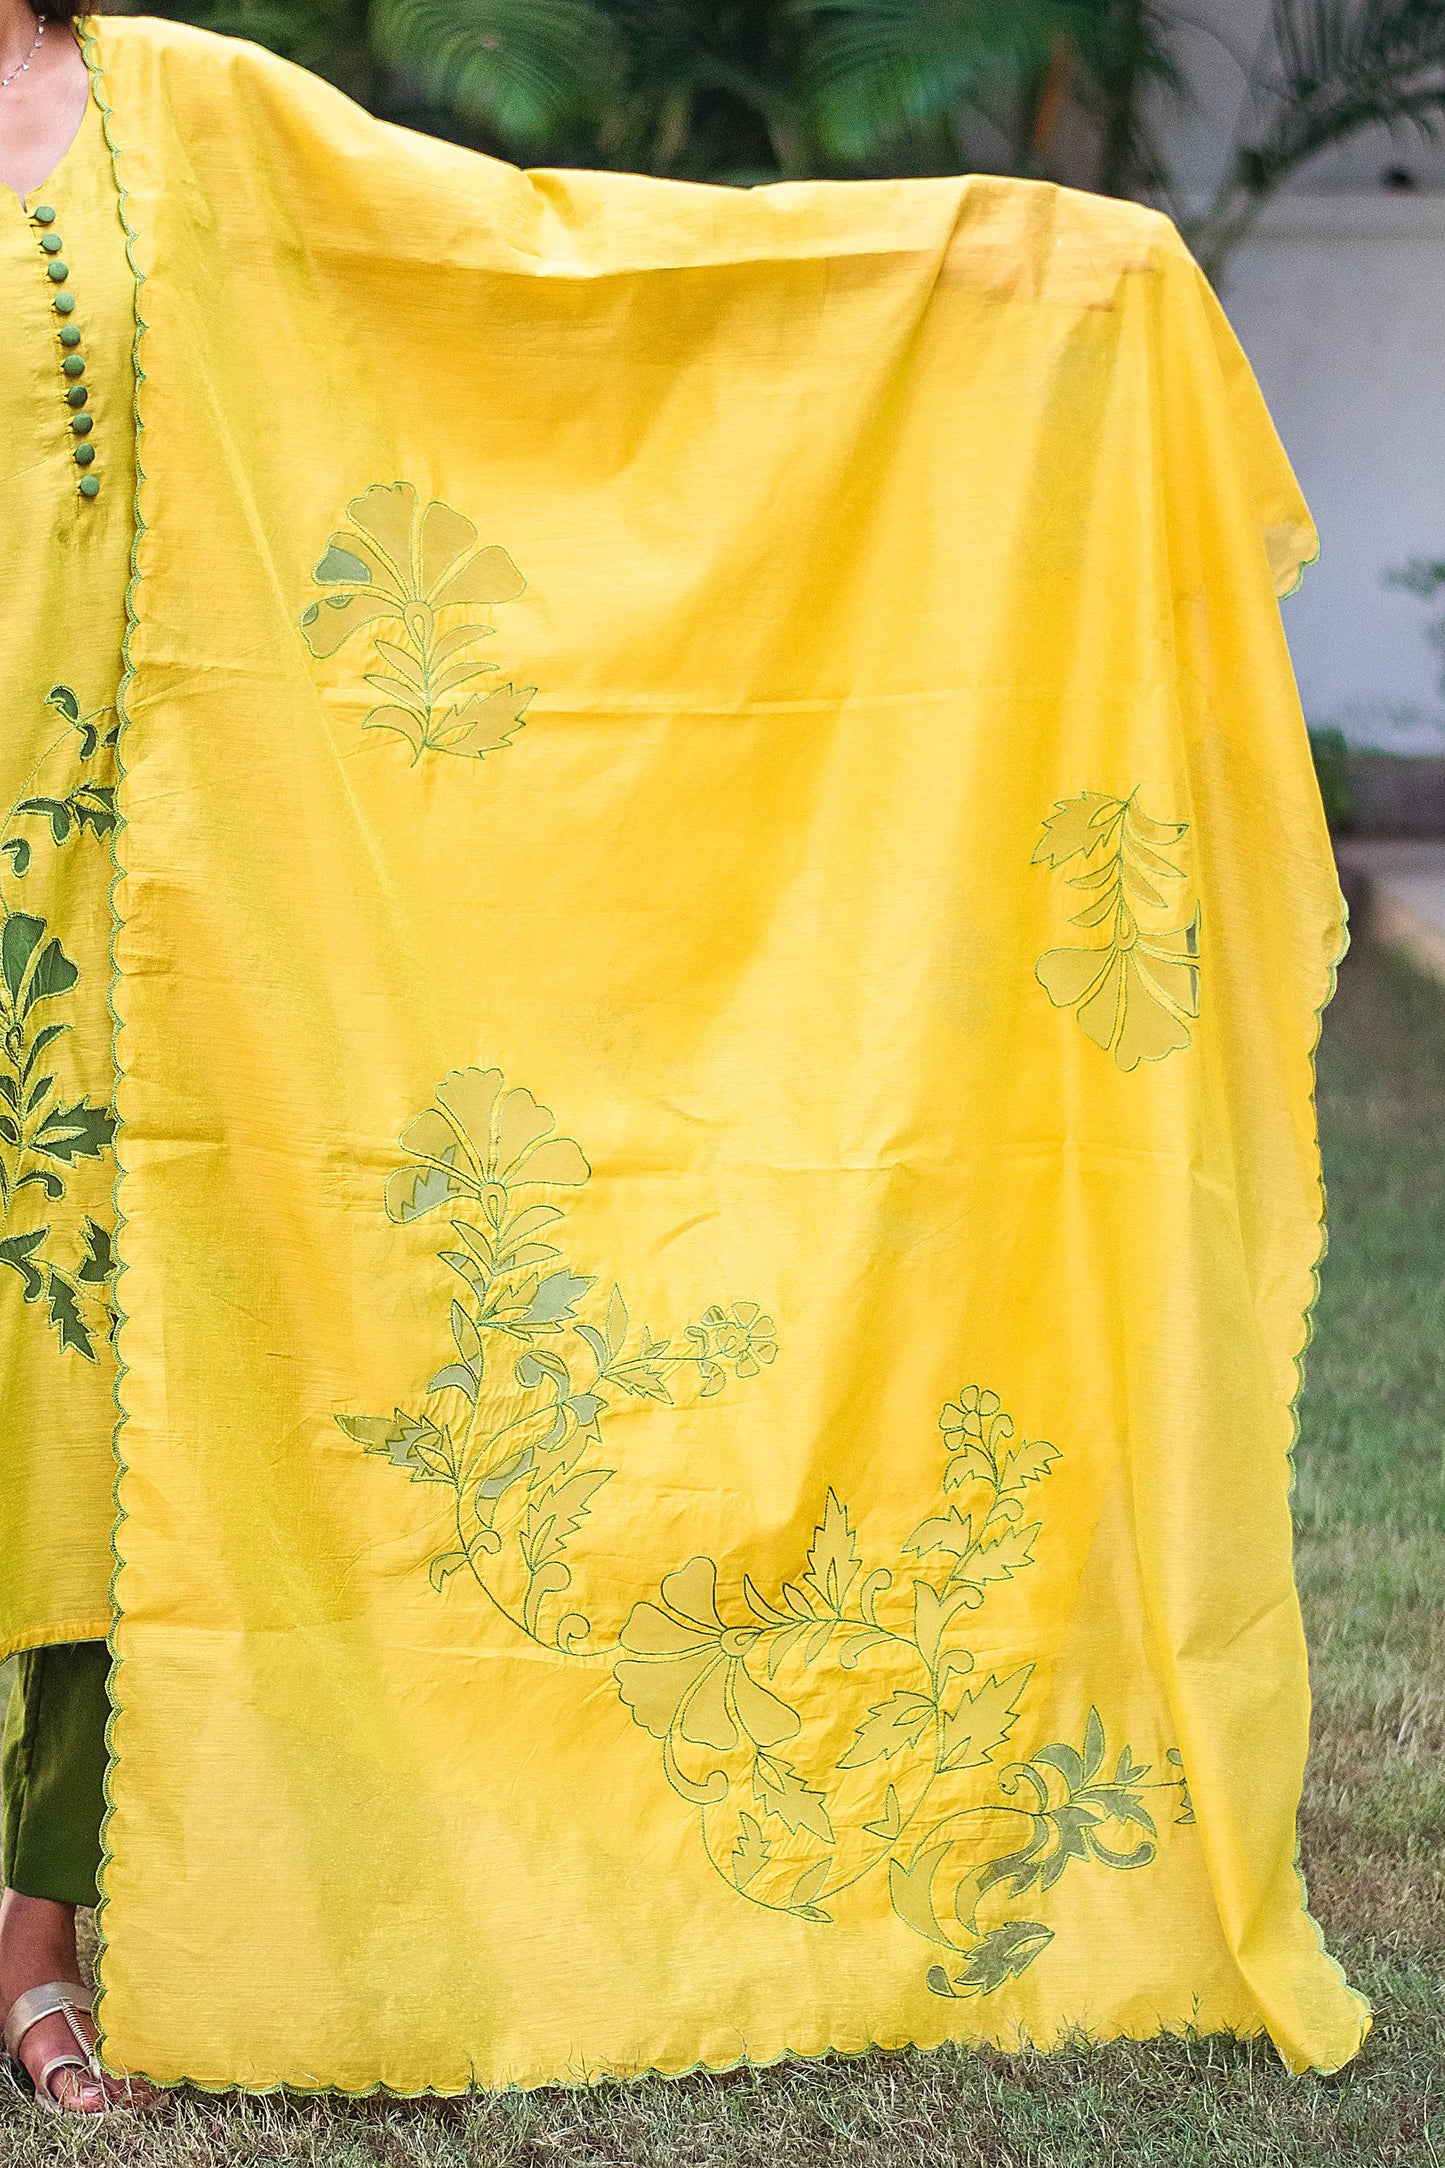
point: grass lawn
(1371, 1509)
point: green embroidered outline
(936, 1720)
(1136, 992)
(420, 572)
(512, 1433)
(85, 31)
(42, 1136)
(511, 1423)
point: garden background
(1301, 145)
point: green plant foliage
(523, 68)
(1424, 577)
(708, 90)
(1331, 758)
(1331, 68)
(883, 73)
(750, 90)
(879, 70)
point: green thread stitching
(41, 1136)
(417, 573)
(90, 50)
(521, 1485)
(1135, 993)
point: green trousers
(52, 1779)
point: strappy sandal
(70, 2000)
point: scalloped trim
(1307, 1333)
(85, 31)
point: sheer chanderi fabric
(722, 921)
(64, 564)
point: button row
(77, 398)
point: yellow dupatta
(722, 922)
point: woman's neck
(43, 104)
(18, 30)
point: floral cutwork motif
(70, 793)
(511, 1424)
(1134, 990)
(836, 1729)
(416, 578)
(746, 1706)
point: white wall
(1339, 300)
(1220, 45)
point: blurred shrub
(1332, 767)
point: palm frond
(1346, 65)
(879, 69)
(1338, 68)
(327, 36)
(709, 89)
(522, 67)
(1129, 57)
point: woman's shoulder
(205, 80)
(183, 42)
(181, 53)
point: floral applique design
(835, 1731)
(511, 1425)
(746, 1705)
(1134, 988)
(43, 1135)
(417, 580)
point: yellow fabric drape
(64, 562)
(722, 922)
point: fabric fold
(720, 848)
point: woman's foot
(37, 1945)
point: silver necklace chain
(24, 67)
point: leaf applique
(43, 1133)
(984, 1715)
(850, 1719)
(1135, 988)
(417, 579)
(833, 1561)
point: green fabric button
(77, 395)
(64, 303)
(43, 215)
(84, 453)
(59, 271)
(83, 424)
(70, 334)
(51, 243)
(74, 364)
(90, 485)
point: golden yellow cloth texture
(64, 562)
(722, 922)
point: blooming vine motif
(43, 1134)
(511, 1423)
(1135, 990)
(745, 1699)
(417, 577)
(745, 1707)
